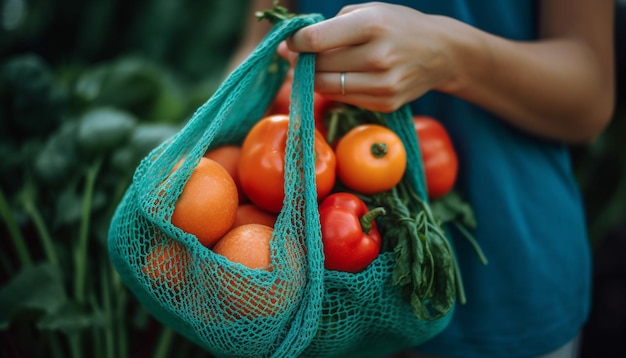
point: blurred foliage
(87, 89)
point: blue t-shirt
(534, 294)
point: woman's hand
(390, 55)
(560, 86)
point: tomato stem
(367, 219)
(379, 150)
(332, 126)
(275, 14)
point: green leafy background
(87, 88)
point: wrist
(467, 56)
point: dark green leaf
(58, 159)
(104, 128)
(144, 138)
(28, 83)
(452, 207)
(68, 207)
(70, 318)
(39, 287)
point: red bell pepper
(349, 232)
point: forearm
(254, 30)
(559, 88)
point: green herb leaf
(452, 207)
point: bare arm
(560, 87)
(254, 30)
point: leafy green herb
(425, 265)
(275, 14)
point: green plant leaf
(452, 207)
(71, 318)
(58, 159)
(38, 287)
(103, 128)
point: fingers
(372, 103)
(340, 31)
(375, 84)
(286, 53)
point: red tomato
(438, 155)
(321, 105)
(262, 161)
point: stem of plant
(42, 230)
(108, 310)
(80, 254)
(367, 219)
(473, 242)
(14, 232)
(332, 127)
(379, 150)
(96, 331)
(75, 350)
(55, 346)
(275, 14)
(163, 346)
(119, 292)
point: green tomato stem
(14, 232)
(275, 14)
(379, 150)
(332, 126)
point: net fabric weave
(295, 309)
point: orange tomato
(208, 203)
(165, 265)
(252, 214)
(370, 159)
(228, 156)
(242, 296)
(262, 162)
(248, 245)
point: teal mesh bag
(297, 308)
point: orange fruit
(252, 214)
(248, 245)
(227, 155)
(165, 265)
(208, 203)
(248, 296)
